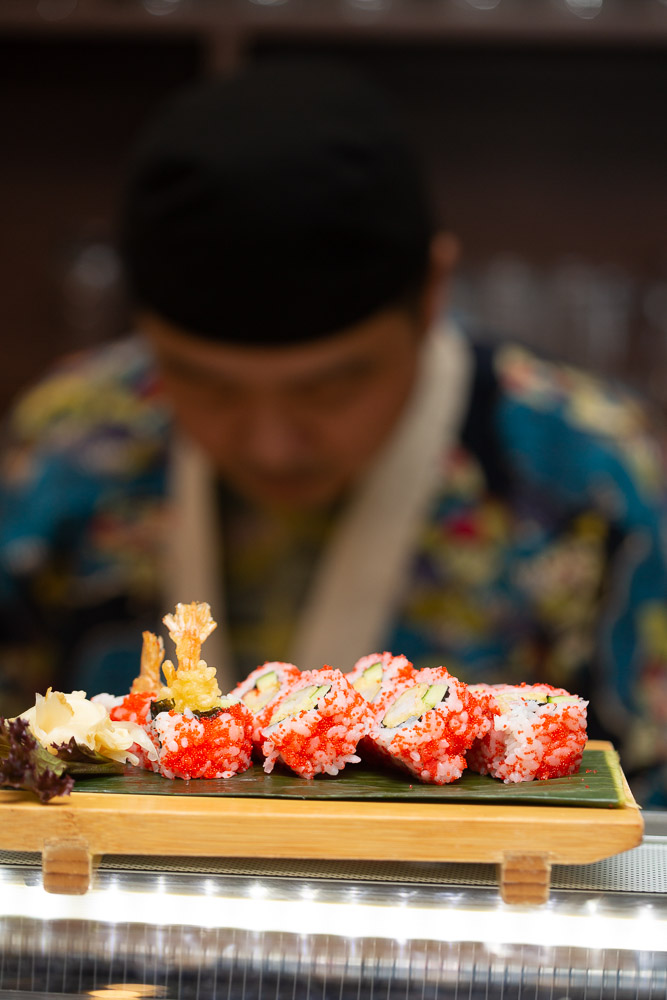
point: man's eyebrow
(342, 369)
(191, 369)
(199, 372)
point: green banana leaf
(597, 784)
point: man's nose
(272, 438)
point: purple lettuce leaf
(25, 764)
(80, 759)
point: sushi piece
(316, 727)
(537, 731)
(428, 726)
(262, 687)
(376, 677)
(199, 733)
(218, 745)
(195, 731)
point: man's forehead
(335, 355)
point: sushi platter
(386, 763)
(523, 840)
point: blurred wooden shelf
(637, 22)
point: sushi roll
(199, 733)
(262, 687)
(195, 731)
(218, 745)
(315, 728)
(428, 726)
(537, 731)
(376, 676)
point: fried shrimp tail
(193, 685)
(189, 627)
(152, 654)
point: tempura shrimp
(152, 654)
(194, 684)
(189, 627)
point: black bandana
(274, 208)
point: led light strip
(643, 929)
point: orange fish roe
(531, 738)
(134, 708)
(322, 736)
(210, 747)
(431, 743)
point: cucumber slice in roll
(370, 682)
(303, 700)
(413, 703)
(266, 687)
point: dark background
(545, 143)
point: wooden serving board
(524, 840)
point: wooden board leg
(66, 866)
(524, 878)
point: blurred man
(298, 438)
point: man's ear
(444, 254)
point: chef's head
(284, 264)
